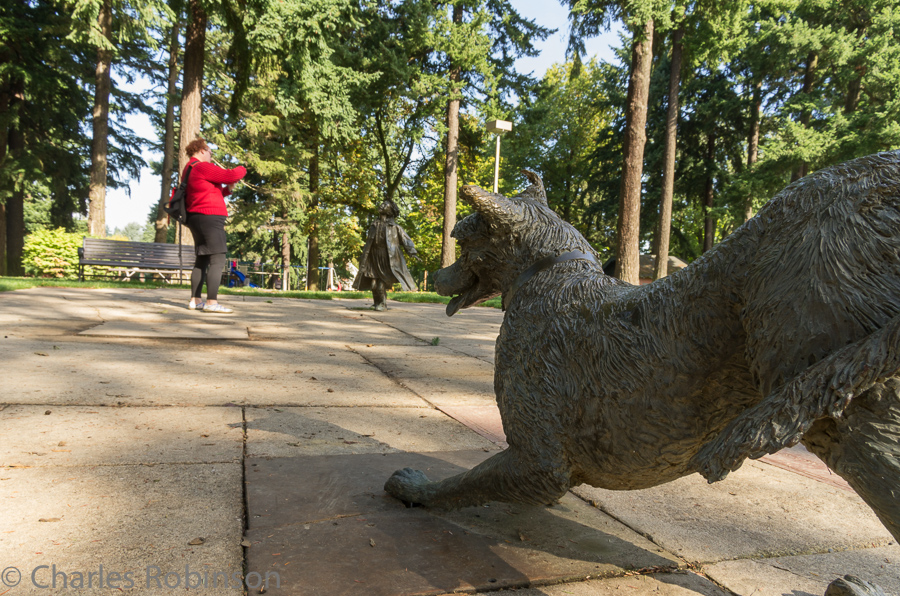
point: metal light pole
(498, 127)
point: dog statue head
(503, 238)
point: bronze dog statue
(786, 331)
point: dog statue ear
(536, 191)
(495, 209)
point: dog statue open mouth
(786, 331)
(466, 285)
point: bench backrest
(136, 253)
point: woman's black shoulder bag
(177, 206)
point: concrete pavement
(149, 448)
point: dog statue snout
(453, 280)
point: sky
(122, 209)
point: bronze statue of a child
(382, 263)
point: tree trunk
(628, 236)
(853, 92)
(854, 89)
(812, 62)
(3, 269)
(709, 227)
(15, 204)
(285, 255)
(329, 285)
(661, 268)
(192, 79)
(4, 107)
(451, 163)
(191, 86)
(312, 265)
(568, 193)
(100, 141)
(162, 218)
(276, 246)
(753, 141)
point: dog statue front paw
(408, 485)
(850, 585)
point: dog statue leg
(508, 476)
(853, 586)
(824, 389)
(863, 447)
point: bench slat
(134, 255)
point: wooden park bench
(124, 259)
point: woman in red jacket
(207, 187)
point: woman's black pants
(208, 269)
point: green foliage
(133, 232)
(334, 105)
(561, 136)
(131, 21)
(811, 65)
(51, 253)
(40, 65)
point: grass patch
(420, 297)
(432, 298)
(290, 294)
(8, 284)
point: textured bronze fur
(787, 331)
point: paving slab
(140, 371)
(409, 553)
(677, 583)
(758, 511)
(32, 328)
(809, 574)
(383, 554)
(472, 332)
(106, 474)
(317, 322)
(423, 361)
(300, 490)
(799, 460)
(330, 333)
(162, 328)
(125, 518)
(78, 436)
(437, 374)
(288, 432)
(326, 525)
(483, 419)
(54, 304)
(440, 393)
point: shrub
(51, 253)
